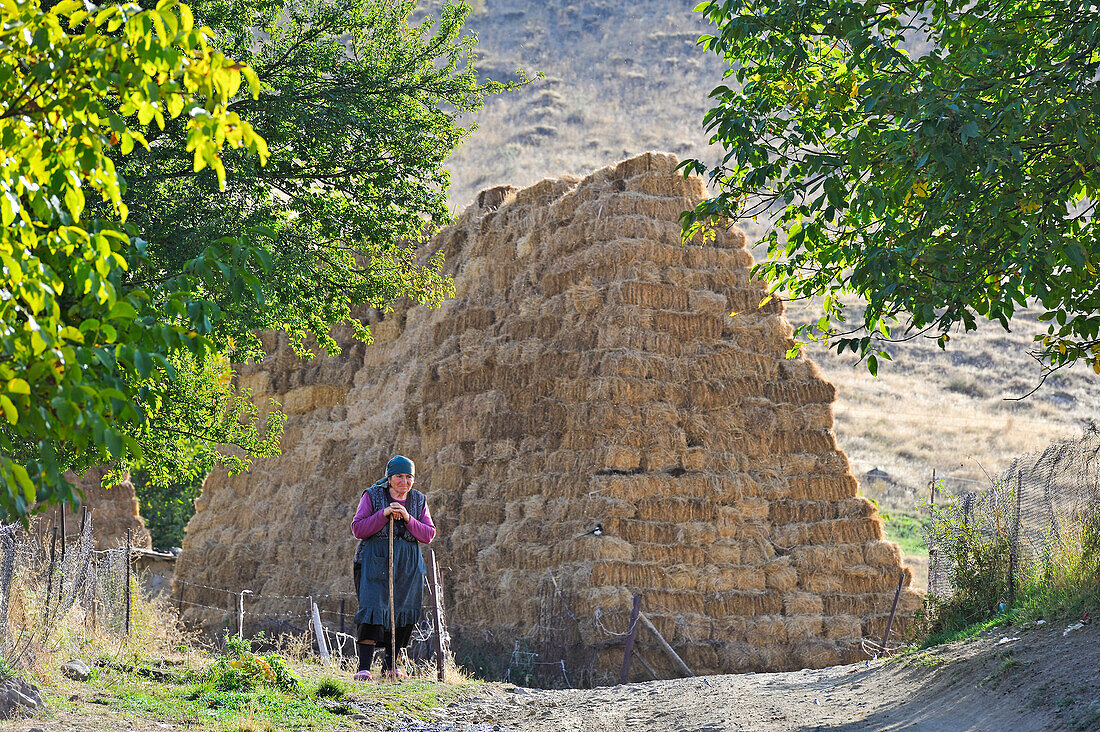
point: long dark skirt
(373, 589)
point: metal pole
(1013, 552)
(893, 609)
(624, 675)
(393, 615)
(128, 599)
(341, 622)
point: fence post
(1013, 552)
(624, 674)
(127, 590)
(341, 623)
(179, 601)
(893, 609)
(665, 646)
(49, 578)
(322, 648)
(309, 618)
(240, 612)
(437, 615)
(61, 510)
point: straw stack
(589, 371)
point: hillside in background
(621, 78)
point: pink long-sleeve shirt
(367, 524)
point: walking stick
(393, 617)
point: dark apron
(409, 571)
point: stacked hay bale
(588, 372)
(113, 510)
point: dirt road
(1023, 678)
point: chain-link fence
(49, 579)
(1025, 514)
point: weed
(241, 669)
(331, 688)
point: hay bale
(587, 372)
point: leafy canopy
(931, 189)
(219, 215)
(79, 348)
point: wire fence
(45, 579)
(1041, 501)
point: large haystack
(589, 371)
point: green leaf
(9, 409)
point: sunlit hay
(602, 406)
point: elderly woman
(391, 496)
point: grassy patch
(907, 529)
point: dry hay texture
(589, 370)
(113, 510)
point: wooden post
(61, 510)
(240, 612)
(646, 665)
(128, 599)
(437, 615)
(893, 609)
(664, 644)
(322, 647)
(49, 577)
(393, 615)
(83, 518)
(624, 674)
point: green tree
(359, 107)
(929, 189)
(117, 349)
(81, 352)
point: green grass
(192, 700)
(907, 530)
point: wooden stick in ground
(894, 609)
(49, 577)
(393, 615)
(646, 665)
(664, 644)
(437, 615)
(128, 547)
(319, 631)
(624, 674)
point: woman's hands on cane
(396, 510)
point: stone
(76, 670)
(19, 698)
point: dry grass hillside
(621, 78)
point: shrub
(241, 669)
(974, 537)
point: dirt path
(1040, 680)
